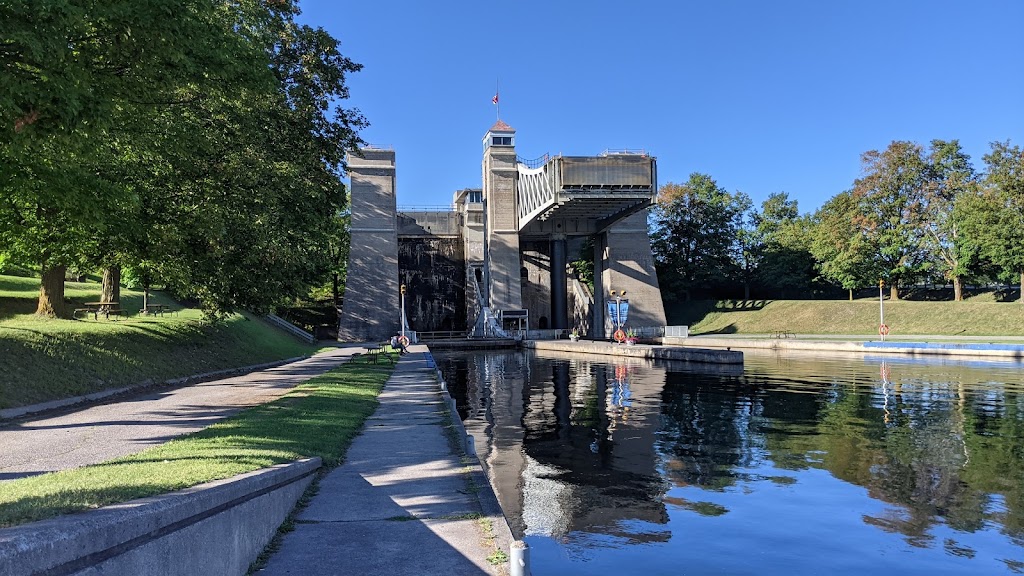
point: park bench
(783, 334)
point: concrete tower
(371, 305)
(501, 242)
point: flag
(495, 99)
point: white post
(519, 558)
(881, 310)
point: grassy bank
(318, 418)
(44, 359)
(845, 317)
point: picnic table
(97, 308)
(155, 309)
(376, 353)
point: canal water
(791, 465)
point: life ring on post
(403, 340)
(883, 330)
(619, 335)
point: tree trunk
(958, 289)
(894, 293)
(111, 291)
(145, 297)
(851, 294)
(334, 288)
(51, 292)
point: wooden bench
(113, 312)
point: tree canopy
(197, 143)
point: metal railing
(534, 163)
(440, 335)
(427, 208)
(625, 152)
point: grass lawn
(968, 318)
(45, 359)
(318, 418)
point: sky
(764, 96)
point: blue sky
(765, 96)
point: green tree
(844, 252)
(949, 178)
(694, 236)
(71, 70)
(786, 262)
(890, 198)
(749, 247)
(1001, 237)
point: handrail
(426, 208)
(535, 162)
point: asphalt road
(98, 433)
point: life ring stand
(883, 330)
(619, 335)
(403, 340)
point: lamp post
(618, 309)
(401, 320)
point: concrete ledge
(216, 528)
(640, 351)
(764, 344)
(489, 505)
(1008, 351)
(18, 412)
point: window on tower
(501, 140)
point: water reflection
(862, 462)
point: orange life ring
(619, 335)
(883, 329)
(403, 340)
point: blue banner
(618, 317)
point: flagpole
(497, 104)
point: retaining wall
(215, 529)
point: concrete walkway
(98, 433)
(403, 502)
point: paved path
(99, 433)
(401, 503)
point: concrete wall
(217, 529)
(370, 308)
(537, 283)
(629, 265)
(500, 174)
(434, 272)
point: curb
(214, 528)
(489, 505)
(20, 411)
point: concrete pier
(639, 351)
